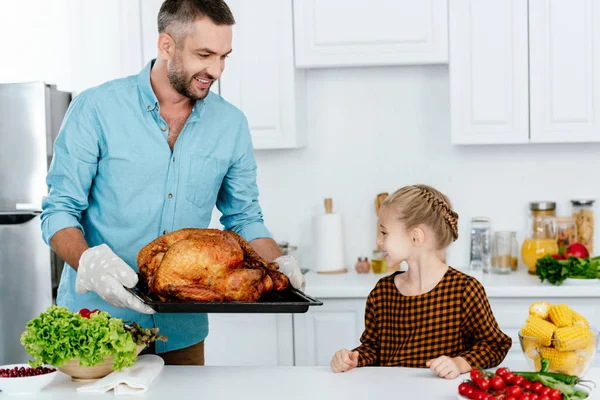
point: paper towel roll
(329, 243)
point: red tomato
(544, 397)
(555, 394)
(511, 398)
(475, 373)
(497, 382)
(481, 396)
(509, 377)
(483, 383)
(527, 384)
(513, 391)
(470, 392)
(534, 396)
(544, 390)
(537, 387)
(501, 372)
(524, 397)
(518, 380)
(462, 388)
(85, 313)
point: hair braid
(441, 206)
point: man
(148, 154)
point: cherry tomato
(481, 396)
(501, 372)
(482, 383)
(537, 387)
(470, 392)
(475, 373)
(511, 398)
(518, 380)
(509, 377)
(534, 396)
(497, 382)
(462, 388)
(85, 313)
(544, 397)
(544, 390)
(513, 391)
(524, 397)
(555, 394)
(527, 384)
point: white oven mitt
(136, 379)
(102, 271)
(290, 268)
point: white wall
(377, 129)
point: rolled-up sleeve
(73, 168)
(238, 195)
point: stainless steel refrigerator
(30, 117)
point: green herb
(556, 271)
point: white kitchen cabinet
(323, 330)
(249, 340)
(342, 33)
(260, 77)
(105, 41)
(488, 71)
(564, 43)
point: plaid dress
(453, 319)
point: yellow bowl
(574, 362)
(81, 373)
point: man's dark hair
(177, 16)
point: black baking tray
(285, 301)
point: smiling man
(144, 155)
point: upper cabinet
(524, 73)
(340, 33)
(260, 77)
(564, 59)
(488, 71)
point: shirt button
(149, 107)
(170, 196)
(164, 232)
(173, 159)
(163, 128)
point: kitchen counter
(302, 383)
(516, 284)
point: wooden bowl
(80, 373)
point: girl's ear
(418, 237)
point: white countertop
(302, 383)
(516, 284)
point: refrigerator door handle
(17, 217)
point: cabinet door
(105, 39)
(322, 331)
(564, 48)
(334, 33)
(488, 71)
(260, 77)
(250, 340)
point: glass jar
(566, 231)
(502, 252)
(514, 262)
(481, 251)
(583, 212)
(540, 237)
(378, 262)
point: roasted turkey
(207, 265)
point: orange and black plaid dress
(453, 319)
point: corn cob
(540, 309)
(561, 361)
(539, 329)
(579, 320)
(561, 315)
(572, 338)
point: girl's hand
(446, 367)
(344, 360)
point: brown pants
(193, 355)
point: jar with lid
(481, 251)
(582, 211)
(362, 265)
(566, 231)
(540, 237)
(378, 262)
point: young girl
(432, 315)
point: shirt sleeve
(238, 195)
(368, 351)
(72, 170)
(489, 344)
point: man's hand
(290, 268)
(446, 367)
(344, 360)
(102, 271)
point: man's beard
(183, 85)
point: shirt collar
(149, 100)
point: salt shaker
(362, 265)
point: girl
(432, 315)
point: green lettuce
(58, 335)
